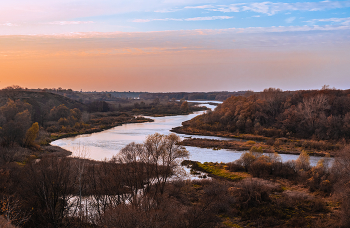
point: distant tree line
(317, 114)
(192, 96)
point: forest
(220, 96)
(318, 114)
(55, 116)
(146, 185)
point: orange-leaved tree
(31, 134)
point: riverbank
(54, 151)
(193, 131)
(258, 143)
(94, 129)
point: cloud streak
(70, 22)
(210, 18)
(9, 24)
(290, 19)
(342, 21)
(61, 10)
(271, 8)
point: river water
(106, 144)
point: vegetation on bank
(34, 119)
(158, 107)
(51, 192)
(219, 96)
(133, 190)
(317, 120)
(218, 170)
(319, 115)
(291, 194)
(314, 148)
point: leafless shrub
(296, 195)
(235, 166)
(341, 173)
(261, 167)
(253, 192)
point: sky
(175, 45)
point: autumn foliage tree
(16, 119)
(31, 134)
(318, 114)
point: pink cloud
(70, 22)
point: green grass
(218, 170)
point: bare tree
(154, 161)
(12, 210)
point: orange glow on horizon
(90, 64)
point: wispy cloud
(186, 33)
(342, 21)
(210, 18)
(8, 24)
(167, 10)
(70, 22)
(271, 8)
(229, 8)
(168, 19)
(200, 7)
(142, 20)
(290, 19)
(291, 29)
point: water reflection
(210, 155)
(108, 143)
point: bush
(254, 192)
(256, 149)
(270, 141)
(284, 170)
(235, 167)
(261, 167)
(246, 160)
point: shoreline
(245, 144)
(185, 130)
(94, 130)
(54, 137)
(55, 151)
(52, 150)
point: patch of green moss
(218, 170)
(231, 224)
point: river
(106, 144)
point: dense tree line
(17, 126)
(20, 109)
(319, 114)
(192, 96)
(159, 107)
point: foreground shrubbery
(133, 190)
(321, 178)
(273, 204)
